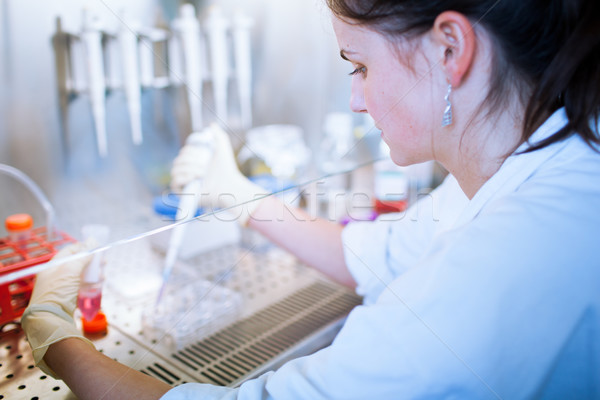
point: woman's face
(398, 97)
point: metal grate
(288, 311)
(298, 324)
(262, 341)
(20, 379)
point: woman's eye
(358, 70)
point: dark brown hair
(549, 46)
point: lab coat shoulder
(377, 252)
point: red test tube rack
(37, 249)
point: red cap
(97, 325)
(18, 222)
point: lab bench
(286, 310)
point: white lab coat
(498, 298)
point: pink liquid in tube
(92, 276)
(89, 301)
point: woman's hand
(208, 155)
(49, 316)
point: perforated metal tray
(288, 310)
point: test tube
(89, 299)
(19, 227)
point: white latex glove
(208, 155)
(49, 316)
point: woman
(498, 296)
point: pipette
(128, 46)
(147, 39)
(216, 29)
(243, 65)
(188, 205)
(187, 27)
(91, 36)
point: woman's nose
(357, 97)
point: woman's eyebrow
(344, 52)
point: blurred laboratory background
(54, 100)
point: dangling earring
(447, 118)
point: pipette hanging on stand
(91, 38)
(85, 64)
(128, 47)
(187, 30)
(216, 30)
(62, 43)
(218, 41)
(243, 65)
(94, 61)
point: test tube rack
(39, 248)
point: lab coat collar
(517, 168)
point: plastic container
(391, 184)
(391, 188)
(19, 227)
(89, 299)
(190, 309)
(278, 150)
(335, 158)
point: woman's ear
(454, 35)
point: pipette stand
(96, 61)
(80, 59)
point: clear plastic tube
(89, 299)
(19, 227)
